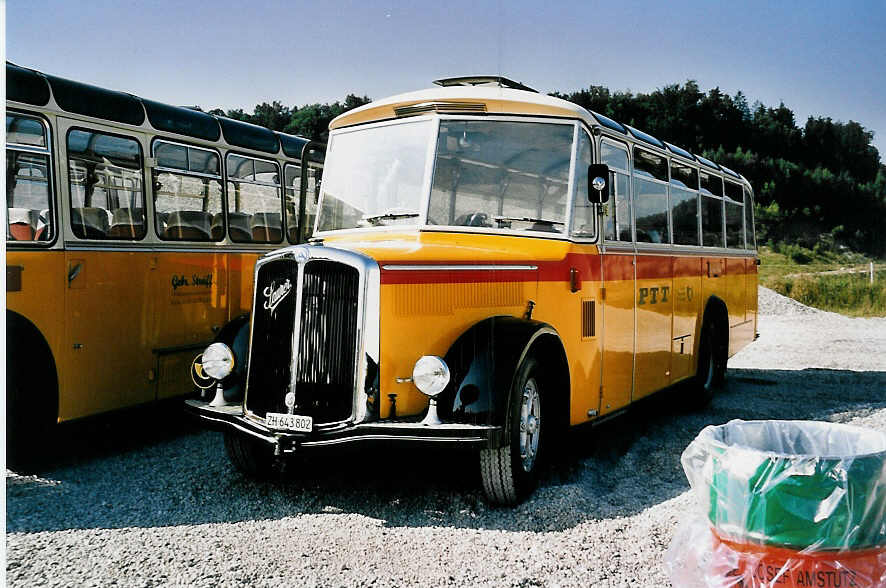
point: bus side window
(712, 230)
(617, 212)
(684, 203)
(187, 193)
(734, 216)
(750, 240)
(106, 185)
(28, 185)
(651, 197)
(254, 203)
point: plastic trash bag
(783, 503)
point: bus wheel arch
(712, 353)
(32, 390)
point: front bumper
(231, 418)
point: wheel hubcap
(530, 424)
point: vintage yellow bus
(133, 229)
(489, 267)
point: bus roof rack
(484, 81)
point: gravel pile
(153, 501)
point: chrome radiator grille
(325, 316)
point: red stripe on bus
(614, 268)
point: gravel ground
(144, 501)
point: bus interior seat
(22, 224)
(127, 223)
(43, 220)
(473, 219)
(187, 225)
(90, 222)
(238, 225)
(266, 227)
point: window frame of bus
(626, 147)
(297, 165)
(188, 172)
(708, 194)
(749, 231)
(430, 171)
(634, 194)
(48, 151)
(280, 193)
(141, 170)
(681, 161)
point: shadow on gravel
(153, 472)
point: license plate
(289, 422)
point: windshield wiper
(374, 219)
(505, 219)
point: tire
(711, 372)
(31, 408)
(249, 456)
(510, 473)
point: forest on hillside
(819, 185)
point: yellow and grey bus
(133, 229)
(489, 267)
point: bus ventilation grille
(588, 318)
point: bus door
(618, 327)
(108, 326)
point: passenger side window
(617, 212)
(187, 193)
(750, 239)
(29, 198)
(254, 203)
(292, 187)
(684, 203)
(711, 209)
(106, 185)
(734, 216)
(651, 197)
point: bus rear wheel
(711, 372)
(31, 408)
(509, 473)
(249, 456)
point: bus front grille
(324, 358)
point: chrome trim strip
(394, 438)
(461, 267)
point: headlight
(218, 361)
(430, 375)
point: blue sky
(817, 59)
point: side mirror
(598, 183)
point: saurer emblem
(275, 295)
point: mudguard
(483, 362)
(235, 335)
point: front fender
(483, 362)
(235, 335)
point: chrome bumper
(231, 418)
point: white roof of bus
(498, 100)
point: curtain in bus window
(712, 221)
(505, 175)
(254, 205)
(106, 186)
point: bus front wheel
(249, 456)
(509, 473)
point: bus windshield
(495, 174)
